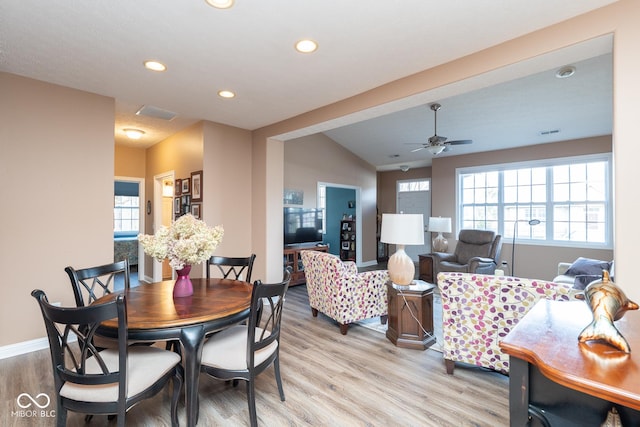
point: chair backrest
(473, 243)
(95, 282)
(81, 362)
(265, 330)
(232, 267)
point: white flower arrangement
(187, 241)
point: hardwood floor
(360, 379)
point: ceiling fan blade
(417, 149)
(460, 142)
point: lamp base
(440, 244)
(401, 267)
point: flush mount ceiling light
(306, 46)
(226, 94)
(155, 66)
(565, 72)
(133, 133)
(220, 4)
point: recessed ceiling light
(220, 4)
(155, 66)
(306, 46)
(565, 72)
(133, 133)
(226, 94)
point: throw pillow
(581, 281)
(587, 266)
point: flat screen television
(302, 226)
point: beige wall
(317, 158)
(619, 18)
(57, 166)
(130, 161)
(227, 187)
(546, 258)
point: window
(126, 215)
(568, 196)
(406, 186)
(322, 204)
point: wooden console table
(292, 259)
(405, 302)
(555, 380)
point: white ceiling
(99, 46)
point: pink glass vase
(183, 286)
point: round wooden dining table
(153, 314)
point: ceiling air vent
(158, 113)
(549, 132)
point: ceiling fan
(437, 144)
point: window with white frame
(322, 204)
(126, 215)
(417, 185)
(569, 197)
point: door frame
(141, 215)
(425, 221)
(157, 215)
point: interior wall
(317, 158)
(57, 165)
(227, 187)
(130, 161)
(443, 199)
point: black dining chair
(241, 352)
(95, 282)
(232, 267)
(109, 381)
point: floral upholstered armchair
(336, 289)
(478, 311)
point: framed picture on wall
(177, 188)
(177, 203)
(196, 210)
(186, 188)
(196, 186)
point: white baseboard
(17, 349)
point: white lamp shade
(439, 225)
(402, 229)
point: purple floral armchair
(336, 289)
(478, 311)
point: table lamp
(439, 225)
(401, 230)
(513, 243)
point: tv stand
(292, 259)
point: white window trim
(605, 157)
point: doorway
(414, 197)
(163, 215)
(339, 200)
(128, 222)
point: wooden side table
(426, 268)
(406, 304)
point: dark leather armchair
(477, 251)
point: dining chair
(232, 267)
(241, 352)
(110, 381)
(94, 282)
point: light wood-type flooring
(360, 379)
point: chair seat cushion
(453, 266)
(228, 349)
(146, 364)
